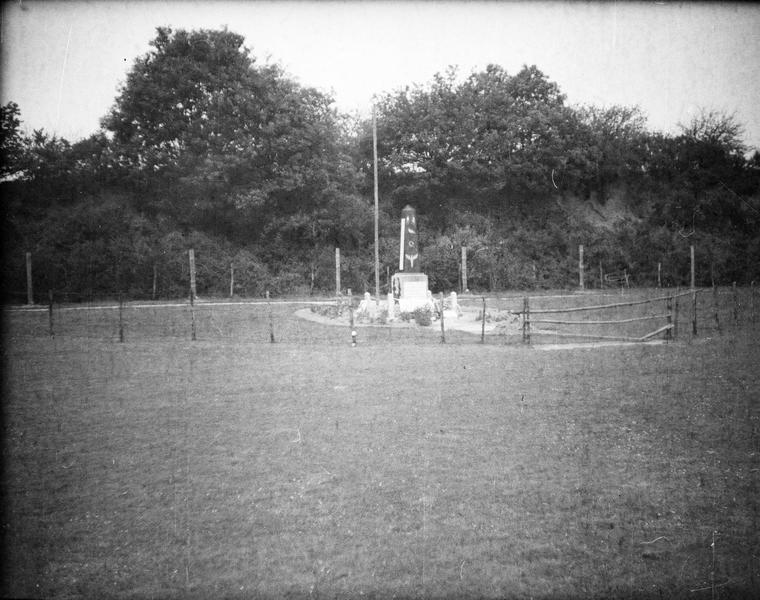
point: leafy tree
(219, 142)
(486, 144)
(703, 177)
(613, 142)
(11, 140)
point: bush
(422, 316)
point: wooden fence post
(191, 257)
(675, 314)
(351, 320)
(580, 266)
(526, 320)
(694, 311)
(271, 320)
(464, 269)
(337, 271)
(601, 276)
(483, 323)
(50, 312)
(192, 313)
(715, 307)
(29, 294)
(659, 274)
(155, 279)
(121, 317)
(443, 330)
(669, 308)
(232, 279)
(691, 250)
(736, 305)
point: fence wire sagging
(632, 321)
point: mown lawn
(232, 468)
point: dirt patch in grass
(234, 469)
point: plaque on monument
(410, 286)
(409, 258)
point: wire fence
(636, 315)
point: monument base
(410, 291)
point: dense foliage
(204, 148)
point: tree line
(207, 148)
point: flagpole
(377, 241)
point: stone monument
(410, 286)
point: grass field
(229, 467)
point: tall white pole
(377, 240)
(401, 247)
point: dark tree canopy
(11, 142)
(217, 139)
(207, 147)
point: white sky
(63, 62)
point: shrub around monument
(422, 316)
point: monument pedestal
(410, 291)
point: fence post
(155, 279)
(443, 330)
(580, 266)
(232, 279)
(191, 257)
(271, 319)
(691, 250)
(675, 315)
(669, 308)
(736, 305)
(29, 294)
(121, 317)
(483, 323)
(601, 276)
(50, 312)
(464, 269)
(192, 314)
(694, 311)
(715, 307)
(337, 271)
(351, 320)
(659, 274)
(526, 320)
